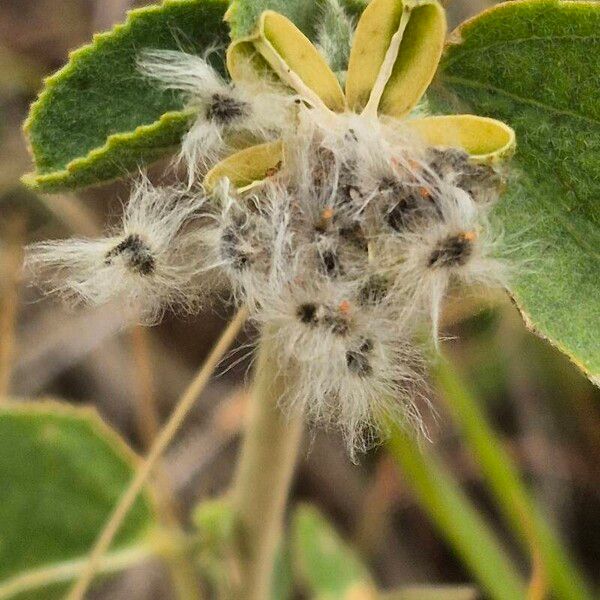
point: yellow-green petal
(244, 62)
(417, 61)
(248, 166)
(397, 46)
(292, 56)
(375, 28)
(486, 140)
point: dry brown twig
(12, 260)
(167, 433)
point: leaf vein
(480, 49)
(516, 97)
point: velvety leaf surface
(61, 472)
(98, 118)
(534, 65)
(327, 566)
(243, 14)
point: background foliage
(511, 459)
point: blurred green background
(545, 413)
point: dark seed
(307, 313)
(338, 324)
(446, 161)
(358, 363)
(479, 180)
(366, 346)
(390, 184)
(135, 253)
(475, 179)
(330, 263)
(351, 135)
(454, 251)
(224, 109)
(230, 250)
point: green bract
(534, 65)
(98, 118)
(61, 472)
(244, 14)
(327, 566)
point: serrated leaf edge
(74, 57)
(456, 38)
(41, 181)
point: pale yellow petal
(486, 140)
(291, 55)
(245, 63)
(417, 60)
(376, 27)
(396, 50)
(248, 166)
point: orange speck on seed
(327, 214)
(344, 307)
(470, 236)
(424, 192)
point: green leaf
(98, 117)
(328, 568)
(505, 482)
(282, 587)
(216, 524)
(61, 472)
(456, 518)
(534, 65)
(243, 14)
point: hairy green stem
(264, 474)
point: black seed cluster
(476, 179)
(231, 251)
(408, 207)
(452, 252)
(307, 313)
(358, 360)
(136, 254)
(314, 314)
(330, 263)
(353, 234)
(225, 109)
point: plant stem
(264, 473)
(35, 579)
(9, 295)
(551, 559)
(183, 572)
(162, 441)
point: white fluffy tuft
(223, 110)
(149, 264)
(342, 255)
